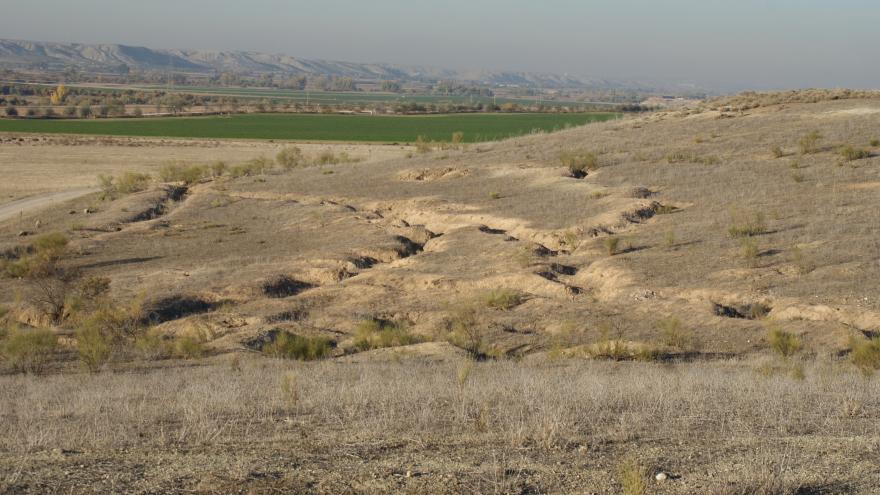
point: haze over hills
(114, 57)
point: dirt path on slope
(17, 207)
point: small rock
(71, 212)
(87, 211)
(23, 233)
(661, 477)
(409, 474)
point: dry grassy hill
(699, 240)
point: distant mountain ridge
(109, 57)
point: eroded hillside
(726, 220)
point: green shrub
(286, 345)
(502, 299)
(376, 334)
(39, 259)
(875, 142)
(28, 350)
(809, 143)
(866, 354)
(289, 157)
(784, 343)
(92, 347)
(579, 163)
(851, 153)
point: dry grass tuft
(503, 299)
(376, 334)
(784, 343)
(633, 477)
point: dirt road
(11, 210)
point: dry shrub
(579, 163)
(179, 172)
(466, 331)
(290, 388)
(784, 343)
(851, 153)
(423, 145)
(777, 151)
(687, 157)
(286, 345)
(189, 346)
(503, 299)
(747, 223)
(289, 157)
(152, 345)
(633, 477)
(375, 334)
(866, 354)
(809, 143)
(675, 335)
(92, 347)
(330, 158)
(612, 245)
(127, 183)
(28, 351)
(749, 250)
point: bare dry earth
(408, 239)
(37, 164)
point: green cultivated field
(476, 127)
(362, 97)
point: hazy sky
(726, 44)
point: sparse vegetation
(92, 347)
(778, 152)
(28, 350)
(687, 157)
(633, 477)
(749, 250)
(809, 143)
(466, 331)
(865, 354)
(286, 345)
(747, 223)
(579, 163)
(502, 299)
(127, 183)
(289, 157)
(179, 172)
(612, 245)
(675, 335)
(851, 153)
(376, 334)
(802, 261)
(784, 343)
